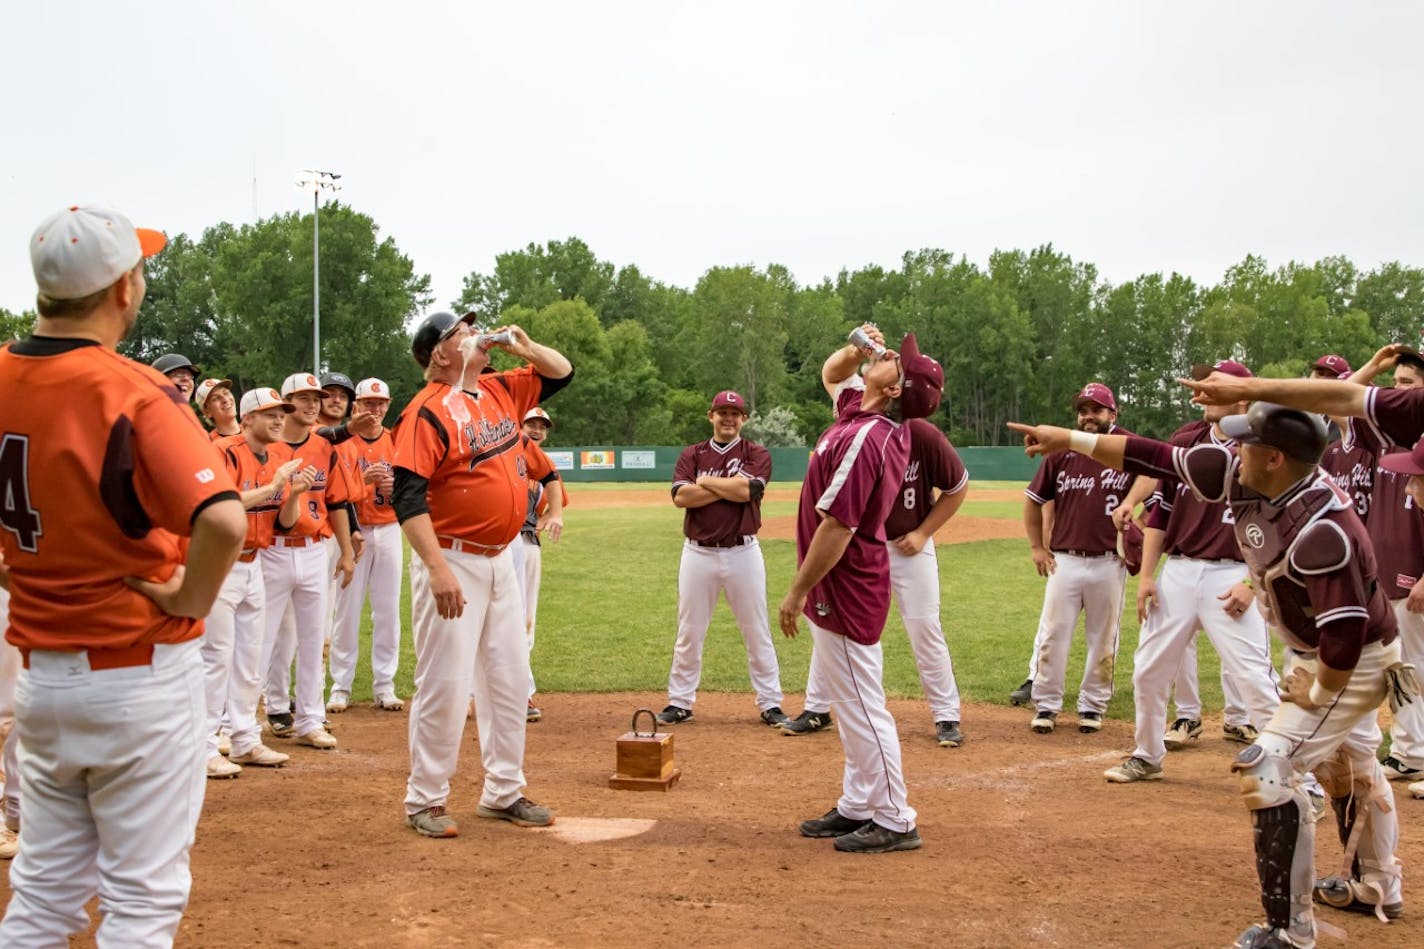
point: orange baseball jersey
(468, 447)
(540, 466)
(357, 454)
(249, 471)
(94, 491)
(333, 486)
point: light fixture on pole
(316, 182)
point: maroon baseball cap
(1096, 392)
(1406, 462)
(924, 380)
(1333, 364)
(727, 399)
(1229, 366)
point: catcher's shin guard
(1369, 880)
(1285, 840)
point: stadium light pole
(316, 182)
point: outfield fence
(655, 463)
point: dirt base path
(1025, 844)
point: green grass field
(608, 613)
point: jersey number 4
(16, 513)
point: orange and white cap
(206, 387)
(538, 413)
(79, 251)
(264, 397)
(301, 382)
(372, 388)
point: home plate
(587, 830)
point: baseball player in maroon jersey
(719, 484)
(842, 586)
(1311, 561)
(914, 518)
(1083, 570)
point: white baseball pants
(704, 573)
(277, 674)
(296, 576)
(873, 786)
(1407, 733)
(1094, 587)
(113, 772)
(379, 573)
(1187, 600)
(1186, 691)
(11, 665)
(232, 648)
(533, 570)
(480, 652)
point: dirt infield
(1025, 844)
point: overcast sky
(678, 136)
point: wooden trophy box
(645, 761)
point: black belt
(720, 544)
(1087, 553)
(1178, 553)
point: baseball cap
(924, 380)
(206, 387)
(539, 413)
(171, 362)
(301, 382)
(1333, 364)
(341, 379)
(1406, 462)
(1229, 366)
(79, 251)
(1096, 392)
(264, 397)
(1301, 435)
(372, 388)
(727, 399)
(433, 330)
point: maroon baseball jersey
(723, 523)
(1396, 414)
(1351, 465)
(1085, 493)
(933, 464)
(1307, 550)
(1397, 527)
(855, 476)
(1194, 527)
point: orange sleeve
(338, 482)
(524, 386)
(176, 468)
(419, 446)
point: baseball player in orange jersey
(296, 569)
(368, 464)
(100, 489)
(217, 404)
(262, 467)
(545, 512)
(460, 496)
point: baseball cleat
(1263, 937)
(1132, 770)
(1353, 896)
(831, 824)
(672, 715)
(1089, 722)
(1023, 694)
(948, 734)
(774, 716)
(261, 756)
(1241, 734)
(224, 742)
(389, 702)
(1417, 789)
(872, 838)
(1397, 770)
(523, 812)
(282, 724)
(1183, 730)
(532, 713)
(318, 738)
(9, 843)
(339, 701)
(1043, 722)
(806, 723)
(220, 767)
(432, 822)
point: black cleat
(774, 716)
(807, 722)
(948, 734)
(1023, 694)
(872, 838)
(832, 824)
(673, 715)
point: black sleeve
(408, 495)
(548, 387)
(220, 496)
(351, 516)
(336, 434)
(756, 488)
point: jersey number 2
(16, 513)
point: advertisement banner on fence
(640, 459)
(601, 460)
(563, 460)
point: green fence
(655, 463)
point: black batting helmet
(168, 362)
(433, 330)
(1301, 435)
(340, 380)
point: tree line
(1018, 335)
